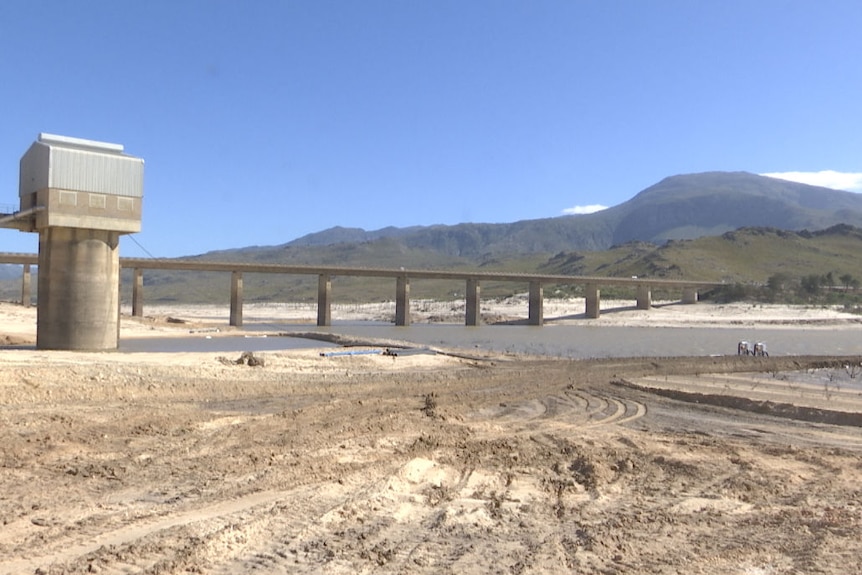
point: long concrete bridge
(473, 279)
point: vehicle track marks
(79, 545)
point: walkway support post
(537, 313)
(689, 295)
(25, 286)
(236, 299)
(473, 313)
(137, 292)
(324, 300)
(644, 297)
(593, 296)
(402, 301)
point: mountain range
(679, 207)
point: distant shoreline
(743, 320)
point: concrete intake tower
(79, 195)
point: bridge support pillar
(644, 297)
(537, 312)
(593, 296)
(324, 300)
(236, 299)
(26, 296)
(474, 315)
(402, 301)
(137, 292)
(689, 295)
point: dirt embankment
(419, 464)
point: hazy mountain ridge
(339, 234)
(679, 207)
(695, 205)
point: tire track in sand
(85, 544)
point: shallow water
(220, 343)
(574, 341)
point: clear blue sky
(261, 121)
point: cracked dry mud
(427, 464)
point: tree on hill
(848, 281)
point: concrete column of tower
(79, 271)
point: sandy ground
(296, 462)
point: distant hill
(10, 271)
(339, 235)
(679, 207)
(709, 204)
(746, 255)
